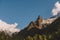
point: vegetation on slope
(51, 32)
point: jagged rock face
(37, 23)
(49, 21)
(34, 29)
(40, 23)
(31, 25)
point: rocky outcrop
(36, 24)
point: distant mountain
(37, 30)
(41, 29)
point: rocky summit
(40, 29)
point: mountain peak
(37, 27)
(40, 23)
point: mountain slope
(50, 32)
(36, 31)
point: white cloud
(8, 28)
(56, 9)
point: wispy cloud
(8, 28)
(56, 9)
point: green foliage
(51, 32)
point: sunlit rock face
(40, 23)
(8, 28)
(48, 21)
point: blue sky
(25, 11)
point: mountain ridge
(32, 29)
(36, 30)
